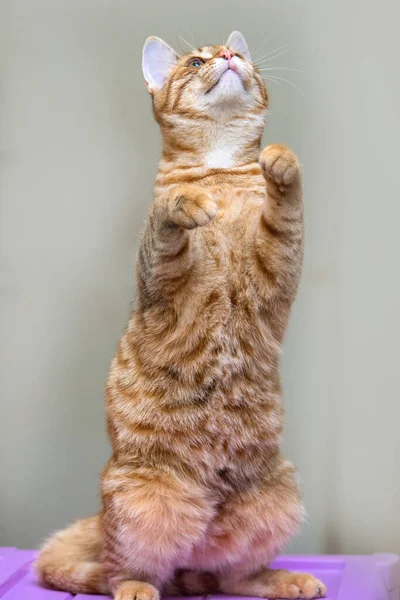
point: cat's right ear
(157, 60)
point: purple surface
(374, 577)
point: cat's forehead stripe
(207, 51)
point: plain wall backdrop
(78, 157)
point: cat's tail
(71, 559)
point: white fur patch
(219, 158)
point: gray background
(78, 156)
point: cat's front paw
(279, 164)
(192, 207)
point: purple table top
(375, 577)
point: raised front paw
(192, 206)
(280, 165)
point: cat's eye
(195, 62)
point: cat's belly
(195, 383)
(213, 404)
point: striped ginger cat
(196, 497)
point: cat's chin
(231, 78)
(228, 87)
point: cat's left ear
(237, 43)
(157, 60)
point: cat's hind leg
(250, 530)
(151, 521)
(278, 583)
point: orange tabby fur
(196, 496)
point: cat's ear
(157, 60)
(237, 43)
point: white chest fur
(219, 158)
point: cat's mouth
(229, 72)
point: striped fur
(196, 495)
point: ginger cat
(197, 498)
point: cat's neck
(208, 144)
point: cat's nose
(227, 54)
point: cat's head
(213, 80)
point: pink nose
(227, 54)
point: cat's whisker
(281, 69)
(268, 60)
(271, 52)
(258, 49)
(196, 40)
(275, 77)
(273, 81)
(274, 54)
(186, 42)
